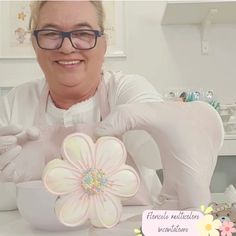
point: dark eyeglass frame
(67, 34)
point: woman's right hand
(12, 137)
(189, 137)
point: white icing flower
(90, 181)
(207, 226)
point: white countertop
(12, 224)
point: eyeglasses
(80, 39)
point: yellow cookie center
(208, 227)
(94, 181)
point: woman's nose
(67, 46)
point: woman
(76, 94)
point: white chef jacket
(19, 107)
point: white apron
(35, 154)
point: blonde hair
(36, 6)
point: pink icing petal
(78, 149)
(60, 177)
(105, 210)
(72, 209)
(56, 163)
(110, 154)
(118, 182)
(92, 212)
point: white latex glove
(189, 136)
(12, 137)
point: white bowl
(8, 196)
(36, 205)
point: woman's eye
(50, 34)
(82, 34)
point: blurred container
(227, 112)
(36, 205)
(8, 196)
(230, 127)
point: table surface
(12, 224)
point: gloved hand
(12, 137)
(189, 136)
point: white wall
(169, 56)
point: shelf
(195, 12)
(200, 13)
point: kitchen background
(170, 57)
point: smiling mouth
(69, 63)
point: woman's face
(67, 66)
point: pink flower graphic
(90, 181)
(227, 228)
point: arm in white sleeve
(129, 89)
(12, 136)
(13, 109)
(126, 89)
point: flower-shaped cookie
(90, 181)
